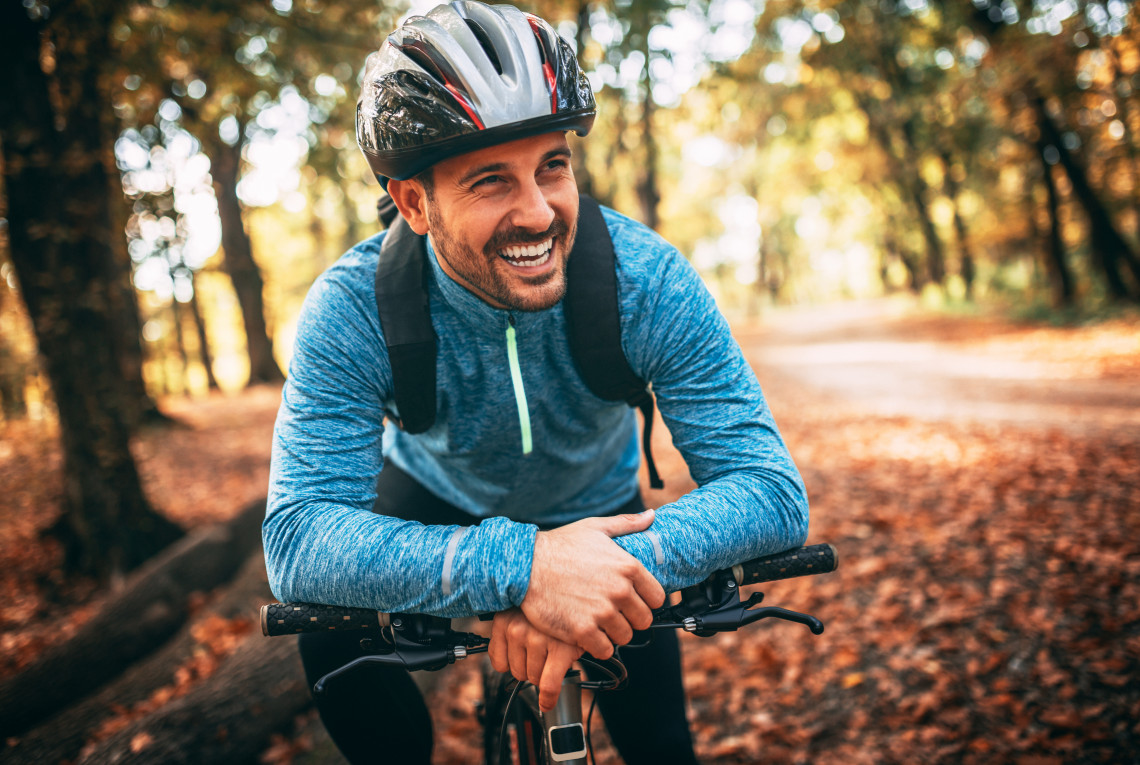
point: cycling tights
(377, 714)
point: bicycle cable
(504, 748)
(589, 721)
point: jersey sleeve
(323, 543)
(750, 499)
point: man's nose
(531, 210)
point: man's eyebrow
(498, 167)
(493, 168)
(563, 151)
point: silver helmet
(464, 77)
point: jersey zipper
(520, 392)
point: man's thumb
(628, 523)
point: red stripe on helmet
(547, 68)
(467, 107)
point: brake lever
(416, 643)
(775, 612)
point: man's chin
(539, 293)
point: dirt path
(890, 362)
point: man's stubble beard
(481, 277)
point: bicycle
(515, 729)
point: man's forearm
(324, 553)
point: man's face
(502, 221)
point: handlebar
(705, 608)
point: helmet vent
(485, 43)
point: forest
(922, 218)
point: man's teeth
(528, 255)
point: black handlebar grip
(291, 618)
(803, 561)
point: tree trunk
(966, 267)
(648, 192)
(60, 232)
(203, 340)
(229, 718)
(61, 737)
(1108, 246)
(1060, 276)
(225, 166)
(912, 189)
(935, 260)
(180, 345)
(152, 606)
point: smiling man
(510, 252)
(444, 445)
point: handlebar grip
(803, 561)
(291, 618)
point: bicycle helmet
(464, 77)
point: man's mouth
(528, 255)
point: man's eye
(490, 180)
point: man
(462, 115)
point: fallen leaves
(985, 609)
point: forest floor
(980, 478)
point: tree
(56, 155)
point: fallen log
(134, 621)
(229, 718)
(62, 736)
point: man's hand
(587, 591)
(530, 655)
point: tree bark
(153, 605)
(60, 235)
(238, 262)
(61, 737)
(229, 718)
(1060, 276)
(1110, 250)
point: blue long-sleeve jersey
(324, 544)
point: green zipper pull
(520, 392)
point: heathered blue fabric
(322, 542)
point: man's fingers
(620, 525)
(639, 615)
(497, 649)
(617, 629)
(596, 643)
(516, 655)
(648, 588)
(550, 684)
(536, 658)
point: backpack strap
(405, 317)
(594, 324)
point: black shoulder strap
(405, 316)
(593, 319)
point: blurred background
(922, 218)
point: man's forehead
(517, 153)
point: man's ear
(411, 201)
